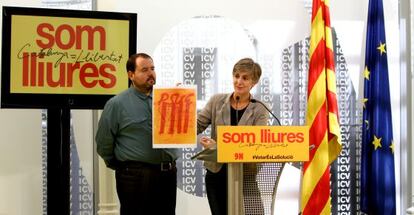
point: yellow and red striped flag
(321, 116)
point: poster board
(64, 58)
(174, 117)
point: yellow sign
(262, 143)
(174, 117)
(64, 55)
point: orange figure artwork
(174, 117)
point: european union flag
(377, 159)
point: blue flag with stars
(377, 158)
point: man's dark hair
(130, 65)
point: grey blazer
(217, 112)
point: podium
(242, 146)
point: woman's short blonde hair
(249, 66)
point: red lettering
(300, 137)
(67, 37)
(248, 137)
(163, 111)
(178, 105)
(266, 136)
(41, 75)
(61, 78)
(279, 139)
(36, 73)
(291, 137)
(70, 37)
(240, 137)
(41, 32)
(90, 33)
(84, 75)
(33, 69)
(49, 67)
(188, 102)
(238, 156)
(25, 69)
(226, 137)
(71, 68)
(105, 71)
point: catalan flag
(321, 116)
(377, 157)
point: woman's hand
(207, 142)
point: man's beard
(150, 86)
(145, 88)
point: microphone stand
(237, 109)
(257, 101)
(235, 180)
(311, 147)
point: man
(146, 178)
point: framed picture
(64, 58)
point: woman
(229, 109)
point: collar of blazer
(225, 112)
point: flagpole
(407, 115)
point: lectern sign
(262, 143)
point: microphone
(257, 101)
(311, 147)
(237, 109)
